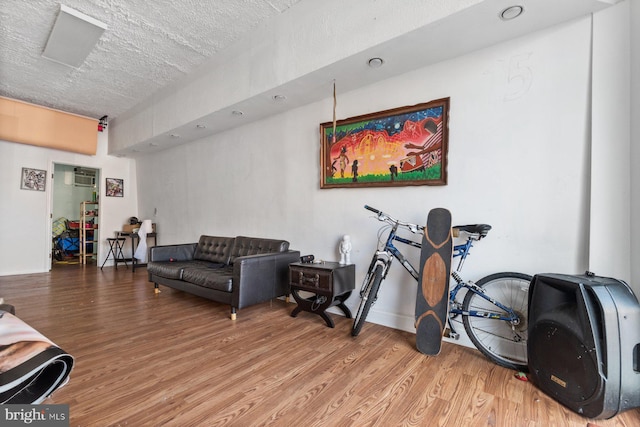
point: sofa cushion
(174, 269)
(244, 246)
(214, 249)
(213, 278)
(179, 252)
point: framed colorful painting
(114, 187)
(398, 147)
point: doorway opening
(74, 215)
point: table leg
(317, 305)
(133, 258)
(341, 299)
(327, 319)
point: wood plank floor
(177, 360)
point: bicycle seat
(481, 229)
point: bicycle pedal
(448, 333)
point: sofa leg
(156, 288)
(233, 313)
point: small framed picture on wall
(115, 187)
(33, 179)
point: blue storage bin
(70, 244)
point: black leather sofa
(239, 271)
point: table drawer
(311, 279)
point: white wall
(518, 160)
(635, 145)
(25, 227)
(610, 213)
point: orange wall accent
(44, 127)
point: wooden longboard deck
(432, 300)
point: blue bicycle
(493, 310)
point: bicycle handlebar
(414, 228)
(475, 232)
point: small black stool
(116, 244)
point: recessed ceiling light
(279, 98)
(376, 62)
(237, 113)
(511, 12)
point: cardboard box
(128, 228)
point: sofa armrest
(261, 277)
(181, 252)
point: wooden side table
(331, 283)
(134, 237)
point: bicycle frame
(503, 341)
(462, 251)
(385, 257)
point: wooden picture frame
(392, 148)
(33, 179)
(114, 187)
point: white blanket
(141, 250)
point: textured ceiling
(147, 45)
(161, 47)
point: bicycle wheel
(503, 342)
(369, 295)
